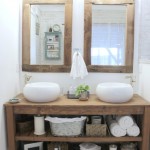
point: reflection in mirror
(47, 34)
(108, 35)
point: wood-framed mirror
(46, 35)
(109, 35)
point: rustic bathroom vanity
(137, 106)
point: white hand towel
(125, 121)
(134, 130)
(78, 68)
(114, 127)
(116, 130)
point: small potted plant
(82, 91)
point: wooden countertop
(93, 101)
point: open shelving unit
(136, 106)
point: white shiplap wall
(144, 50)
(144, 42)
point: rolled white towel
(134, 130)
(125, 121)
(116, 130)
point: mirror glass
(108, 37)
(47, 34)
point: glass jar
(129, 146)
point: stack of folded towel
(89, 146)
(122, 125)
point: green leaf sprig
(81, 88)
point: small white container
(96, 119)
(39, 127)
(112, 147)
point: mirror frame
(128, 67)
(26, 66)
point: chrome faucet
(132, 79)
(27, 78)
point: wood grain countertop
(92, 101)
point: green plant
(81, 88)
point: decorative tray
(73, 96)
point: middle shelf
(30, 136)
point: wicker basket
(70, 128)
(52, 145)
(25, 126)
(96, 129)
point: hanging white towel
(78, 68)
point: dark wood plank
(146, 129)
(78, 110)
(87, 32)
(130, 36)
(68, 35)
(11, 128)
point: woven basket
(52, 145)
(25, 126)
(96, 129)
(74, 128)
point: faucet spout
(27, 78)
(132, 79)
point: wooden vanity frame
(64, 106)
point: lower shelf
(30, 136)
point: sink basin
(41, 91)
(114, 92)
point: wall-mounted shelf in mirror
(42, 20)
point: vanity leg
(11, 128)
(146, 129)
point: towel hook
(76, 50)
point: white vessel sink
(41, 91)
(114, 92)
